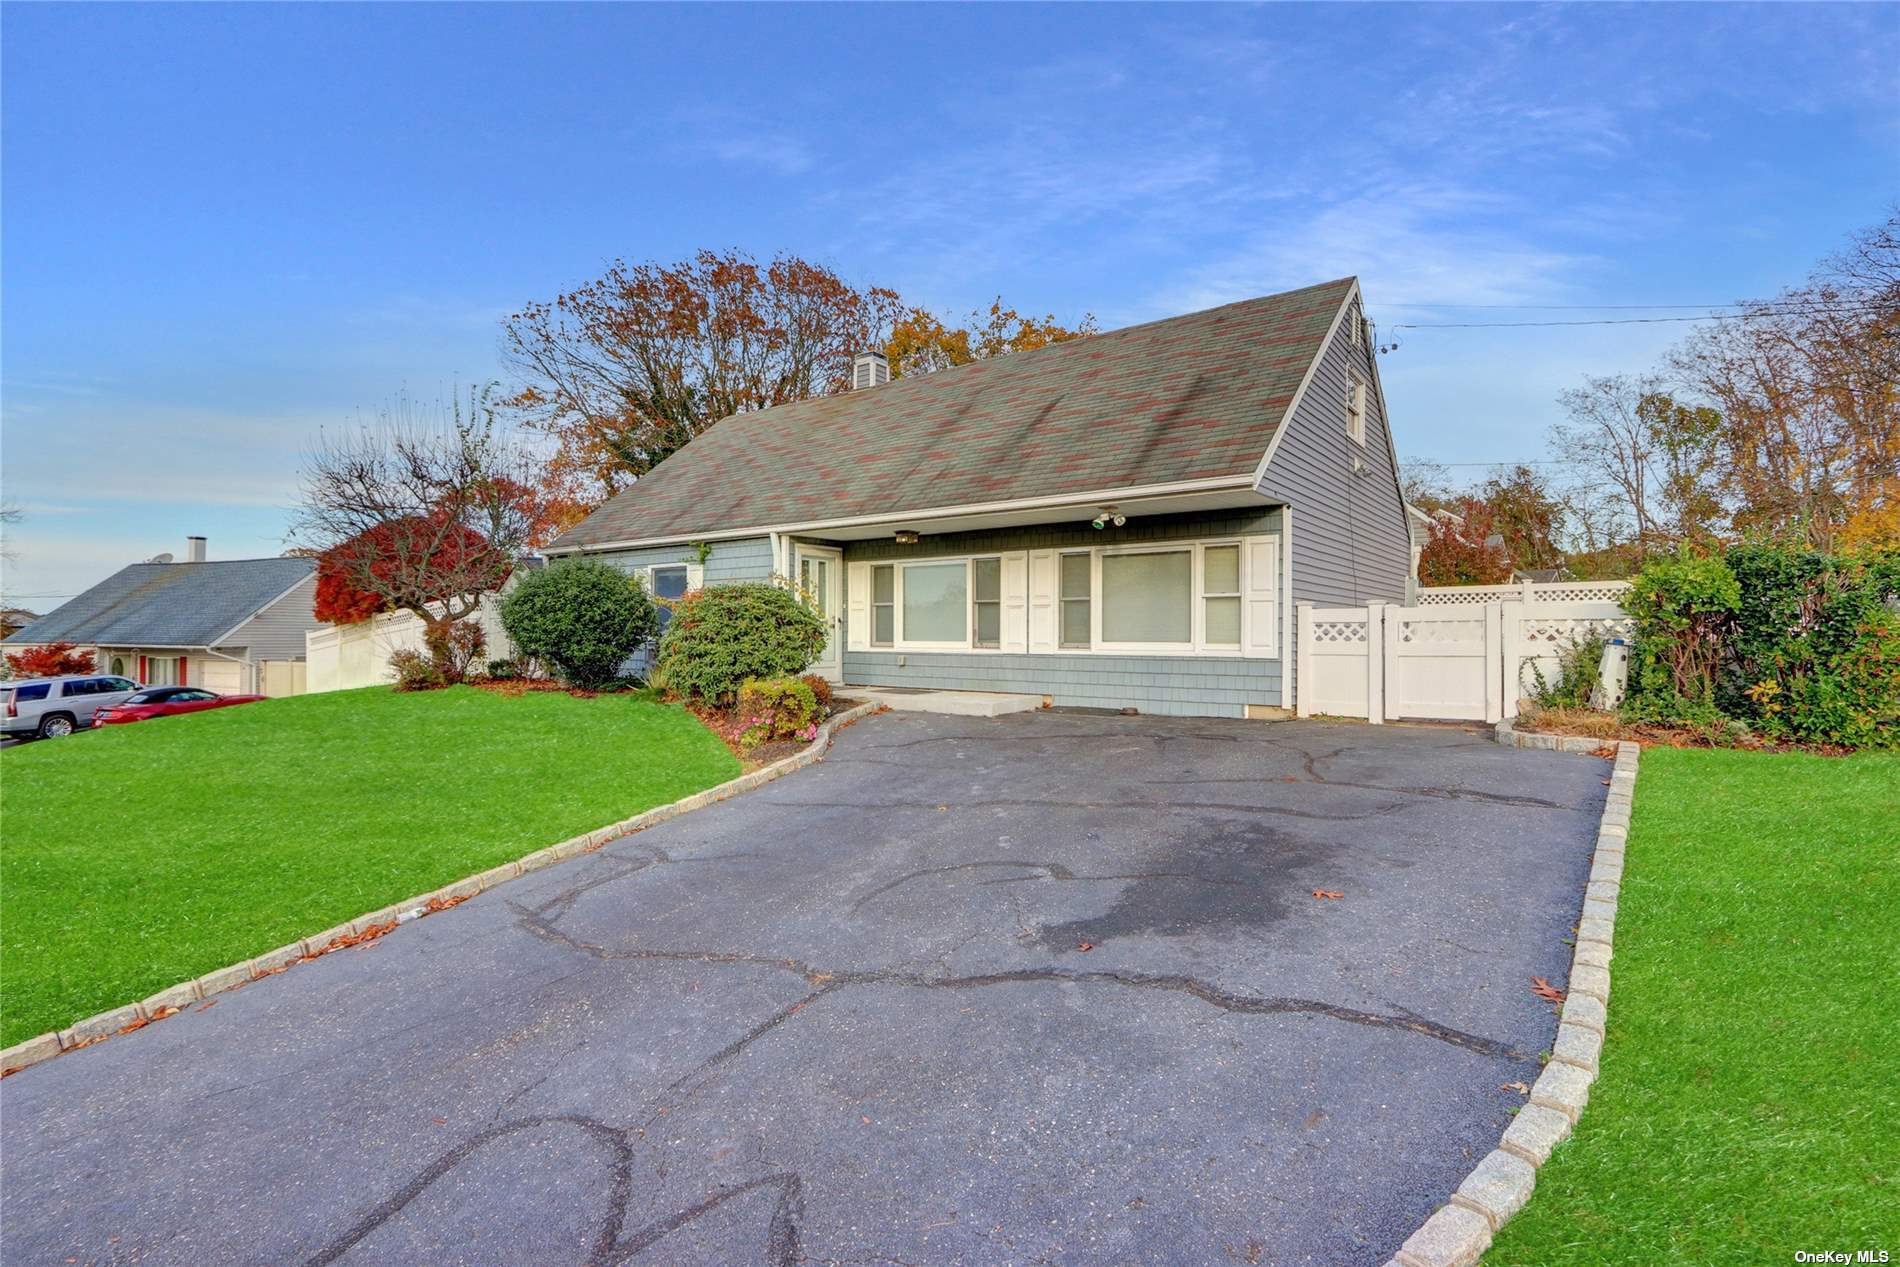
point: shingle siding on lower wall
(1195, 686)
(1192, 686)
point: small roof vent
(869, 369)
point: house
(1121, 521)
(12, 618)
(233, 625)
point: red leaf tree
(55, 659)
(1463, 547)
(425, 513)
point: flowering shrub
(719, 637)
(776, 708)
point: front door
(821, 577)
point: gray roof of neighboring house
(1186, 398)
(168, 604)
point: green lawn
(1749, 1105)
(136, 857)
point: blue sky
(223, 227)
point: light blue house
(1122, 521)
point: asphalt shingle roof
(168, 604)
(1190, 397)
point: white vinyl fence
(340, 657)
(1447, 660)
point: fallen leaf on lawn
(1085, 946)
(1518, 1087)
(1327, 894)
(1545, 990)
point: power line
(1590, 307)
(1633, 321)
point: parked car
(168, 701)
(50, 707)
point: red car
(167, 701)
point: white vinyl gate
(1467, 661)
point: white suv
(51, 707)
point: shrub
(1681, 607)
(721, 636)
(55, 659)
(416, 671)
(821, 689)
(1579, 667)
(503, 670)
(454, 647)
(585, 618)
(776, 708)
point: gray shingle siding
(741, 559)
(1200, 686)
(1351, 543)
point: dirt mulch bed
(1609, 727)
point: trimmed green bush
(1794, 644)
(777, 708)
(720, 636)
(584, 618)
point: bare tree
(1605, 443)
(424, 511)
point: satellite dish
(160, 558)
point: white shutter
(1015, 601)
(858, 606)
(1043, 574)
(1262, 633)
(695, 576)
(646, 578)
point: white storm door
(821, 577)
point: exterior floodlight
(906, 536)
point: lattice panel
(1563, 630)
(1544, 592)
(1340, 632)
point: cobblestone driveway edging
(1459, 1233)
(167, 1002)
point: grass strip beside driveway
(1749, 1105)
(136, 857)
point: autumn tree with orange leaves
(921, 343)
(628, 368)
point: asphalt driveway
(1044, 988)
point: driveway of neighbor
(1044, 988)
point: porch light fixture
(1109, 515)
(906, 536)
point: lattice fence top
(1339, 631)
(1529, 592)
(1562, 629)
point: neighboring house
(232, 625)
(12, 618)
(1125, 520)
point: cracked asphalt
(1042, 988)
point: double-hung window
(669, 582)
(883, 604)
(1076, 583)
(986, 603)
(1220, 596)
